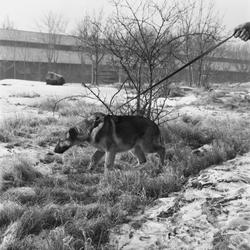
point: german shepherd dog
(112, 134)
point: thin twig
(98, 98)
(65, 98)
(167, 120)
(118, 91)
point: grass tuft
(10, 211)
(67, 108)
(25, 95)
(17, 172)
(22, 126)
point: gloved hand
(243, 31)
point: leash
(178, 70)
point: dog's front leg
(109, 159)
(96, 157)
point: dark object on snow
(54, 79)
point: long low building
(30, 55)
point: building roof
(19, 45)
(34, 37)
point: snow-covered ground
(211, 212)
(13, 95)
(177, 101)
(12, 87)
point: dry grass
(22, 127)
(10, 211)
(67, 108)
(75, 209)
(227, 138)
(25, 95)
(228, 98)
(16, 172)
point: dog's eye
(96, 122)
(73, 133)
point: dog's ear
(73, 132)
(99, 117)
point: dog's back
(132, 129)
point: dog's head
(80, 134)
(70, 139)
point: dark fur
(113, 134)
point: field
(51, 201)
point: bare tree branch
(98, 98)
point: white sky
(26, 13)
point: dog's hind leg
(139, 154)
(95, 159)
(154, 147)
(160, 150)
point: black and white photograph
(125, 125)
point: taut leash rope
(178, 70)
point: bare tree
(201, 28)
(9, 27)
(90, 42)
(7, 24)
(143, 42)
(53, 25)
